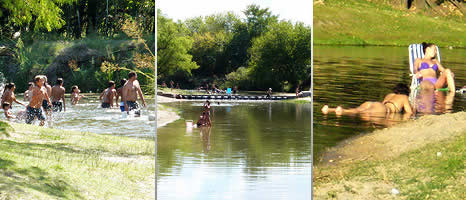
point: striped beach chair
(416, 51)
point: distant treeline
(253, 53)
(71, 39)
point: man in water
(46, 104)
(119, 93)
(39, 95)
(108, 94)
(129, 93)
(58, 94)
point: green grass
(42, 163)
(419, 174)
(352, 22)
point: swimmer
(130, 93)
(28, 93)
(119, 93)
(39, 94)
(46, 104)
(395, 102)
(75, 96)
(107, 95)
(58, 96)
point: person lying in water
(395, 102)
(427, 68)
(75, 95)
(19, 116)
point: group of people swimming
(43, 97)
(204, 118)
(425, 69)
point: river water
(256, 150)
(348, 76)
(88, 116)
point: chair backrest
(416, 51)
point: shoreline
(385, 143)
(165, 114)
(409, 160)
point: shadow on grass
(5, 128)
(14, 179)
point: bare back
(397, 103)
(131, 89)
(58, 93)
(9, 97)
(108, 95)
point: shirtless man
(46, 104)
(39, 95)
(130, 91)
(107, 95)
(119, 93)
(58, 94)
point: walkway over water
(234, 97)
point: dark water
(253, 151)
(348, 76)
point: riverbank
(420, 159)
(382, 24)
(43, 163)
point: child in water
(75, 95)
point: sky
(294, 10)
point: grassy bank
(42, 163)
(354, 22)
(435, 170)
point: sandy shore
(165, 115)
(391, 142)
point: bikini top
(425, 65)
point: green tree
(281, 57)
(172, 49)
(34, 14)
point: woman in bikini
(427, 68)
(395, 102)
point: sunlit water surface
(258, 150)
(348, 76)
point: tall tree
(172, 49)
(281, 57)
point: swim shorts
(45, 105)
(122, 106)
(57, 106)
(32, 113)
(105, 105)
(132, 105)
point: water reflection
(252, 151)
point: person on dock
(120, 92)
(395, 102)
(427, 68)
(75, 95)
(108, 94)
(131, 90)
(58, 96)
(39, 95)
(269, 93)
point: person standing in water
(107, 95)
(39, 95)
(130, 91)
(8, 98)
(28, 93)
(75, 96)
(119, 93)
(58, 95)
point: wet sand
(391, 142)
(165, 115)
